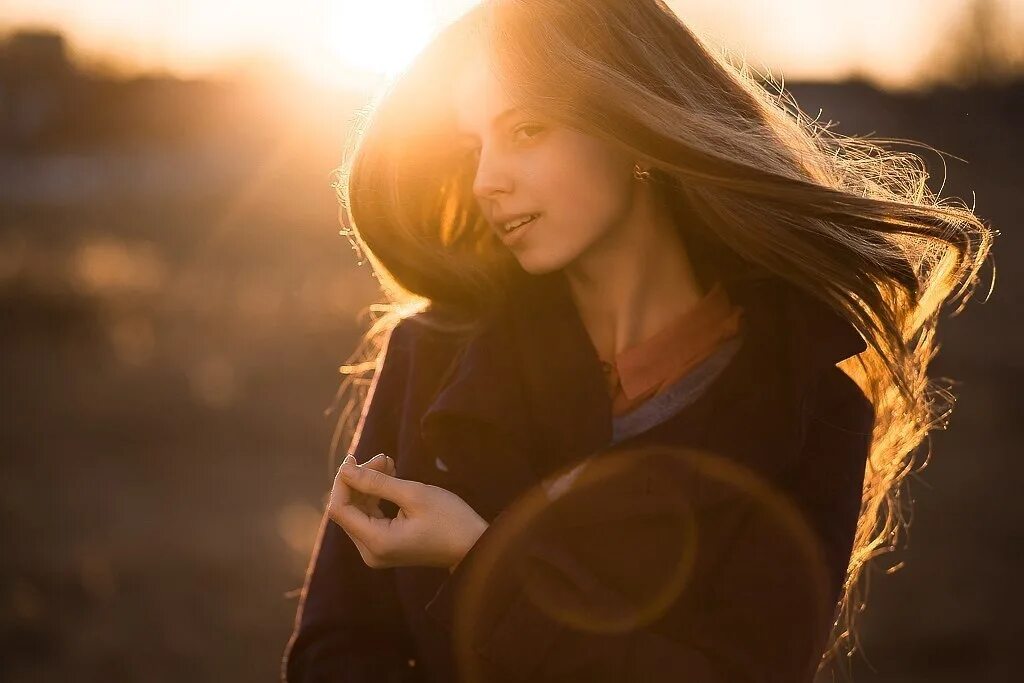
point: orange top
(644, 369)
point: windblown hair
(756, 185)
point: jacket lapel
(755, 413)
(526, 395)
(478, 421)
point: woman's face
(580, 187)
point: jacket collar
(532, 375)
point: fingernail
(349, 460)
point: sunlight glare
(379, 37)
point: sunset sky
(340, 41)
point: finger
(369, 532)
(343, 494)
(382, 463)
(387, 462)
(403, 492)
(367, 504)
(356, 499)
(364, 552)
(371, 504)
(379, 462)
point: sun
(379, 37)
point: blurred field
(176, 299)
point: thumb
(379, 484)
(381, 463)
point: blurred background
(175, 300)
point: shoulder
(411, 360)
(417, 355)
(835, 400)
(435, 326)
(838, 433)
(418, 337)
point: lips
(519, 223)
(513, 236)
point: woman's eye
(529, 127)
(524, 133)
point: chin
(539, 264)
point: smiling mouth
(509, 228)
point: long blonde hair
(757, 186)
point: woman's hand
(433, 528)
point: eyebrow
(462, 135)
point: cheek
(586, 189)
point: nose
(493, 176)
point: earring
(640, 174)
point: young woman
(654, 364)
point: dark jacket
(716, 555)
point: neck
(635, 281)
